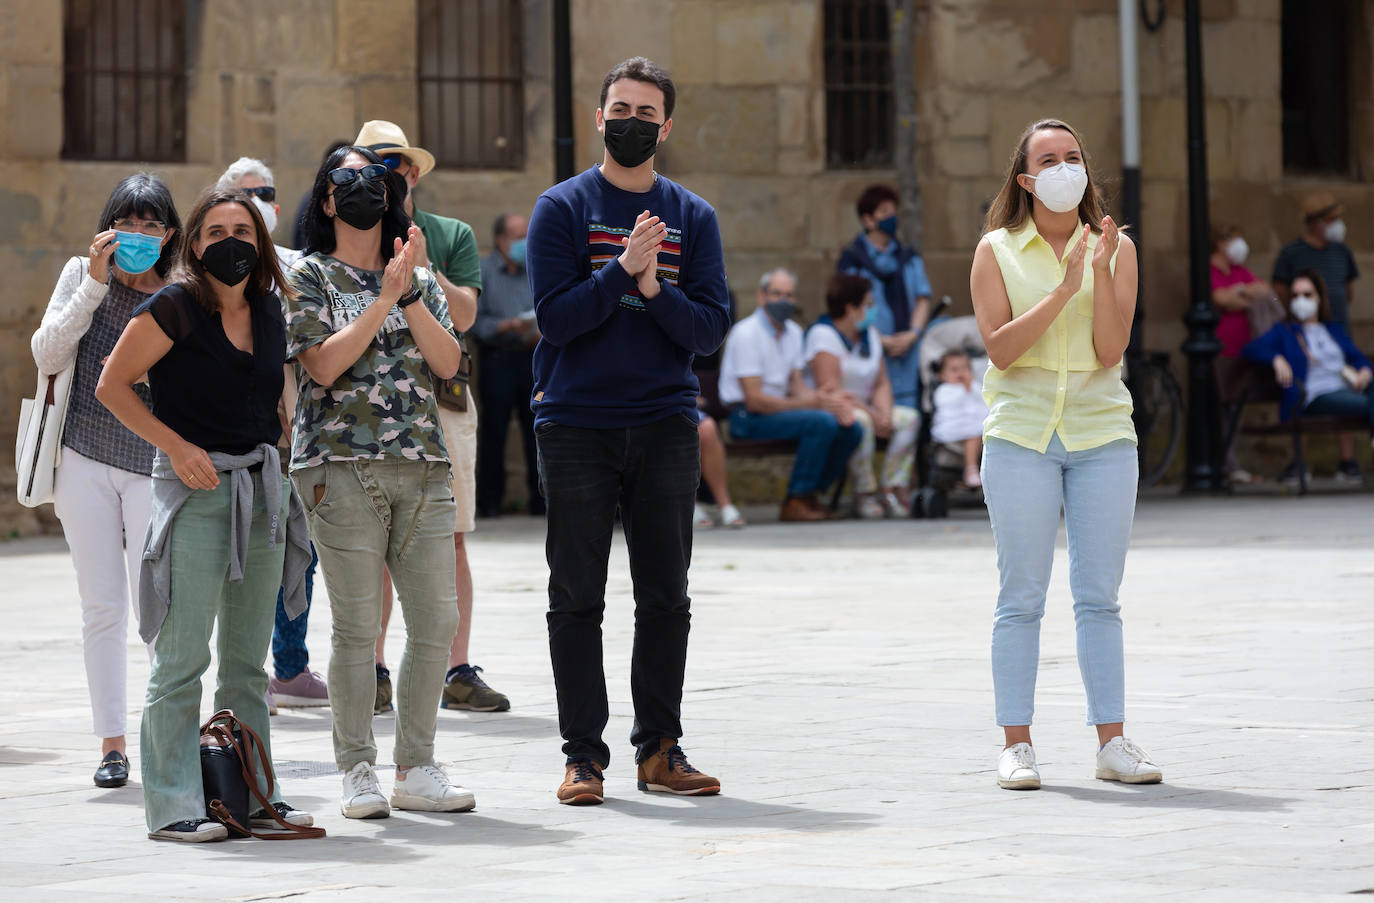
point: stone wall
(749, 132)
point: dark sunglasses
(266, 192)
(345, 176)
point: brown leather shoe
(798, 510)
(582, 784)
(667, 771)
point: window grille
(859, 118)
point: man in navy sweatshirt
(629, 285)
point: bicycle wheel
(1158, 418)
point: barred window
(472, 89)
(124, 86)
(1315, 86)
(859, 118)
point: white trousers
(104, 513)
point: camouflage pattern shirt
(384, 405)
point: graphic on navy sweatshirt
(604, 245)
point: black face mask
(631, 141)
(360, 203)
(229, 260)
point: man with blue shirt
(901, 291)
(628, 278)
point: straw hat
(384, 137)
(1320, 204)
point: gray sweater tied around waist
(169, 494)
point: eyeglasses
(147, 227)
(266, 192)
(345, 176)
(394, 161)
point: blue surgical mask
(870, 318)
(888, 225)
(517, 251)
(136, 253)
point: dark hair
(319, 228)
(498, 228)
(1323, 302)
(845, 290)
(1012, 206)
(873, 196)
(190, 272)
(144, 194)
(644, 70)
(939, 365)
(1223, 232)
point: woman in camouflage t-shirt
(371, 331)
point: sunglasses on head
(344, 176)
(266, 192)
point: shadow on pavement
(733, 809)
(14, 755)
(1172, 796)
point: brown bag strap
(221, 728)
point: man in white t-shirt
(761, 382)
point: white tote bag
(38, 446)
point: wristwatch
(409, 298)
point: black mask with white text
(631, 142)
(229, 260)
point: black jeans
(505, 381)
(650, 473)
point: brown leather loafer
(667, 771)
(798, 510)
(582, 784)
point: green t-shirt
(384, 405)
(452, 248)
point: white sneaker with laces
(362, 795)
(1121, 760)
(426, 788)
(1016, 768)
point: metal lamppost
(1204, 471)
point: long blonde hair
(1013, 204)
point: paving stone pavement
(839, 685)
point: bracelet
(408, 298)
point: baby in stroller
(960, 411)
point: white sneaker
(869, 508)
(362, 795)
(426, 788)
(1016, 768)
(730, 517)
(701, 517)
(1121, 760)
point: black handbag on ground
(228, 748)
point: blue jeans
(289, 655)
(823, 446)
(1344, 403)
(1025, 491)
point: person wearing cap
(1321, 247)
(449, 250)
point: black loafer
(113, 770)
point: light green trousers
(202, 594)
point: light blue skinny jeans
(1025, 492)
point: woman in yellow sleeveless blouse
(1054, 291)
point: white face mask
(1304, 307)
(1061, 187)
(1335, 230)
(269, 213)
(1237, 250)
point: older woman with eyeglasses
(102, 492)
(371, 330)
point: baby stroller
(942, 464)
